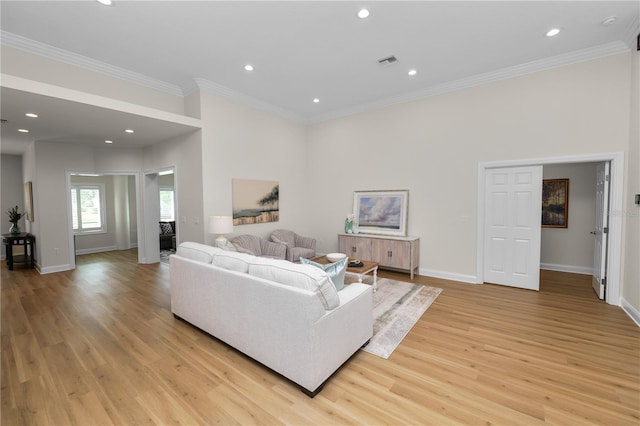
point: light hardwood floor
(99, 346)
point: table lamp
(221, 225)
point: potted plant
(14, 217)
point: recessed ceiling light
(105, 2)
(23, 130)
(248, 67)
(129, 131)
(363, 13)
(609, 21)
(316, 100)
(108, 141)
(412, 72)
(553, 32)
(32, 115)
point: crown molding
(206, 85)
(574, 57)
(187, 87)
(50, 52)
(631, 33)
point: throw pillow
(166, 228)
(336, 270)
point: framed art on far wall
(28, 201)
(255, 201)
(381, 212)
(555, 203)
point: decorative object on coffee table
(334, 257)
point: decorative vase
(14, 228)
(348, 227)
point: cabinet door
(392, 253)
(355, 247)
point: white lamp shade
(220, 224)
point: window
(88, 208)
(167, 210)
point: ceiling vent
(388, 60)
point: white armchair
(297, 245)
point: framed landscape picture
(555, 203)
(381, 212)
(255, 201)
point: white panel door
(600, 232)
(513, 207)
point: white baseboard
(567, 268)
(633, 313)
(53, 269)
(96, 250)
(470, 279)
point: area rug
(397, 306)
(164, 255)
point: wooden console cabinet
(390, 252)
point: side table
(24, 239)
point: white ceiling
(302, 49)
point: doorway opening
(161, 227)
(615, 160)
(103, 212)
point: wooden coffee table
(367, 267)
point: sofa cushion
(196, 251)
(336, 270)
(306, 277)
(232, 260)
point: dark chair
(167, 235)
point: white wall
(11, 193)
(185, 156)
(52, 161)
(33, 67)
(432, 147)
(631, 213)
(246, 143)
(571, 249)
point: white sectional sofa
(284, 315)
